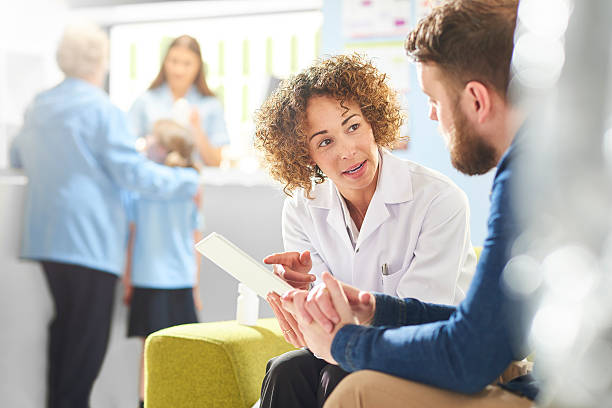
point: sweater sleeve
(392, 311)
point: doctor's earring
(317, 175)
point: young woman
(162, 270)
(181, 84)
(371, 219)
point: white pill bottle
(247, 307)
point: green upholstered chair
(478, 250)
(218, 364)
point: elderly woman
(75, 150)
(181, 85)
(373, 220)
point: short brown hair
(279, 124)
(200, 80)
(469, 40)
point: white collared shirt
(417, 224)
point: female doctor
(180, 92)
(379, 222)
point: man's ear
(479, 101)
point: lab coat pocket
(391, 281)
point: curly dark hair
(279, 124)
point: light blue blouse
(163, 255)
(78, 154)
(157, 104)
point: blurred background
(246, 45)
(562, 74)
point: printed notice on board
(375, 18)
(423, 7)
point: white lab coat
(417, 223)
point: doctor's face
(341, 143)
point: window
(241, 55)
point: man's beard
(470, 152)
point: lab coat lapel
(376, 215)
(335, 219)
(394, 186)
(326, 201)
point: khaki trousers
(375, 389)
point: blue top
(462, 348)
(157, 104)
(78, 153)
(163, 255)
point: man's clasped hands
(311, 318)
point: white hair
(82, 51)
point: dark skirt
(155, 309)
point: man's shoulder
(505, 173)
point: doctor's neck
(358, 200)
(356, 214)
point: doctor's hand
(317, 338)
(286, 321)
(292, 267)
(318, 305)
